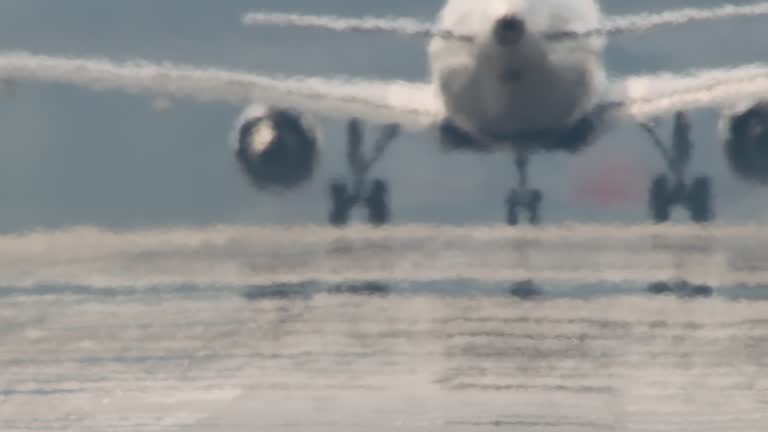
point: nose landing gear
(373, 194)
(522, 197)
(671, 189)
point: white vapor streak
(238, 255)
(663, 93)
(647, 21)
(398, 25)
(342, 96)
(410, 27)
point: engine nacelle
(746, 142)
(276, 148)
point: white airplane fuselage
(496, 88)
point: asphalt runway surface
(161, 330)
(239, 255)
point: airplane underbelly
(511, 101)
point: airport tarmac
(341, 363)
(143, 354)
(240, 256)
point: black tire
(658, 199)
(700, 200)
(513, 202)
(534, 207)
(340, 208)
(377, 203)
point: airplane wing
(643, 97)
(413, 105)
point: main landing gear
(670, 189)
(373, 194)
(523, 198)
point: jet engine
(746, 142)
(276, 148)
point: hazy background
(70, 156)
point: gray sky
(71, 156)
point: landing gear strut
(373, 194)
(670, 189)
(522, 197)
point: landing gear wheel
(340, 208)
(534, 206)
(695, 196)
(700, 200)
(528, 200)
(513, 200)
(377, 203)
(512, 217)
(658, 199)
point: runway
(150, 331)
(344, 363)
(240, 255)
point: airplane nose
(509, 30)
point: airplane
(506, 75)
